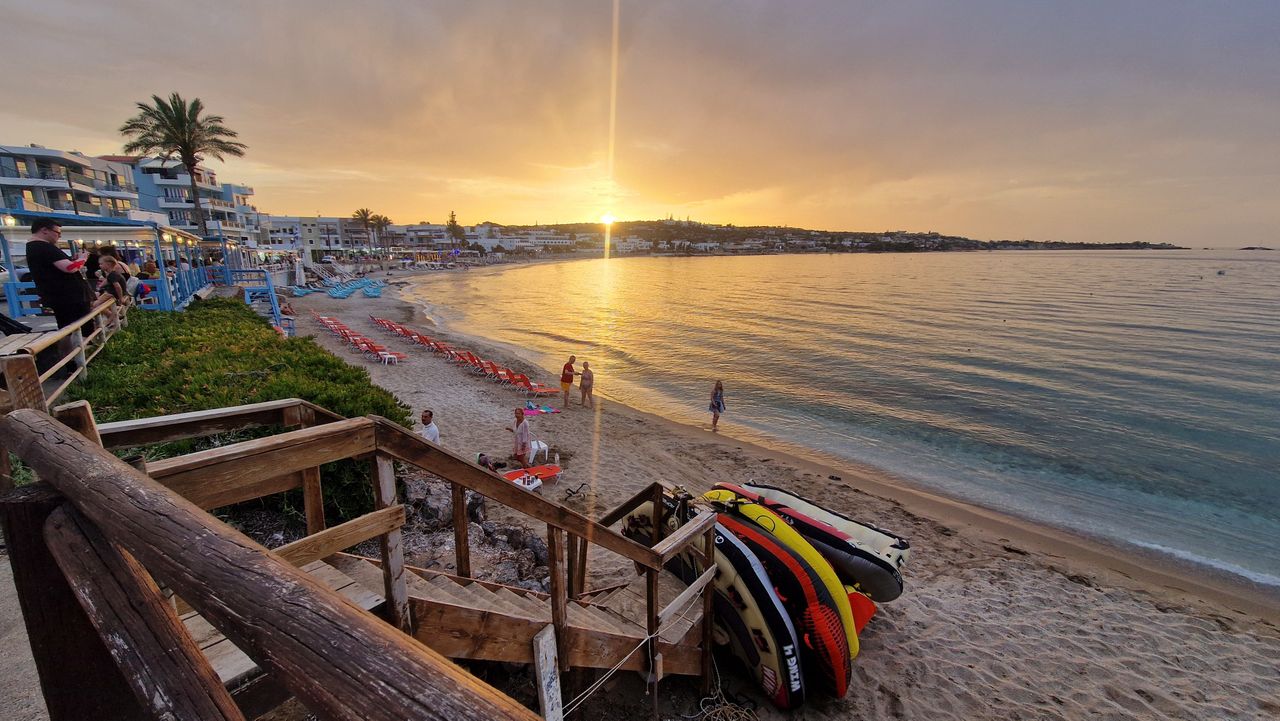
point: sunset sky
(1082, 121)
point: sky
(1079, 121)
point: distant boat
(1222, 272)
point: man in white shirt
(520, 448)
(429, 430)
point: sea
(1130, 396)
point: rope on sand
(718, 708)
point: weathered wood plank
(708, 613)
(461, 544)
(686, 597)
(57, 627)
(594, 649)
(460, 632)
(408, 447)
(343, 664)
(169, 676)
(242, 471)
(179, 426)
(78, 416)
(342, 536)
(391, 546)
(559, 597)
(644, 495)
(313, 499)
(23, 382)
(671, 546)
(547, 672)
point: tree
(365, 217)
(456, 234)
(174, 128)
(380, 224)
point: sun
(607, 219)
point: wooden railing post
(572, 576)
(580, 575)
(651, 626)
(461, 542)
(78, 416)
(559, 597)
(708, 608)
(79, 678)
(659, 520)
(313, 500)
(391, 545)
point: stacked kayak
(796, 584)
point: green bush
(220, 353)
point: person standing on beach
(429, 430)
(588, 380)
(520, 449)
(717, 404)
(57, 275)
(566, 378)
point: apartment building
(165, 187)
(36, 178)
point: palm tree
(365, 216)
(174, 128)
(380, 224)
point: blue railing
(22, 298)
(257, 285)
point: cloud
(1083, 121)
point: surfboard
(824, 650)
(862, 555)
(748, 611)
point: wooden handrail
(617, 514)
(243, 471)
(180, 426)
(671, 546)
(343, 663)
(49, 339)
(342, 536)
(686, 596)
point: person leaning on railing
(57, 276)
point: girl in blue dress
(717, 404)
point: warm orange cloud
(989, 119)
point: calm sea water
(1133, 396)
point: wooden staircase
(302, 609)
(464, 618)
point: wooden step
(535, 608)
(231, 664)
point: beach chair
(532, 388)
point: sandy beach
(1000, 619)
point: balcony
(103, 186)
(81, 179)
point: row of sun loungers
(365, 346)
(346, 288)
(467, 359)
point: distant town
(151, 190)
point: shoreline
(1000, 618)
(1138, 567)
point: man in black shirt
(56, 275)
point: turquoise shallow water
(1127, 395)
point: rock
(490, 528)
(523, 564)
(516, 537)
(539, 549)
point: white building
(36, 178)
